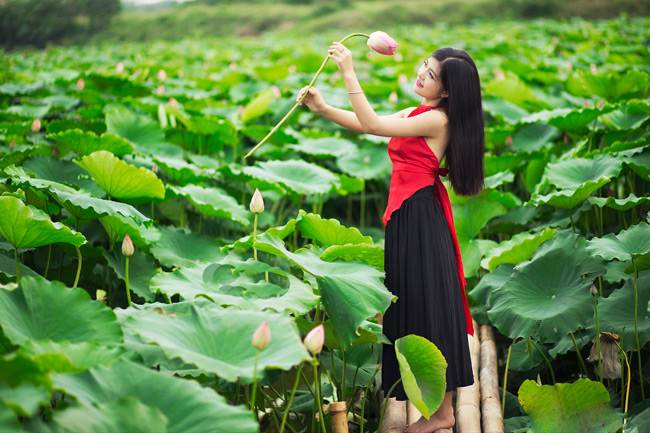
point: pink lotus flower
(257, 203)
(162, 75)
(119, 68)
(382, 43)
(36, 125)
(173, 102)
(315, 339)
(127, 246)
(80, 84)
(262, 336)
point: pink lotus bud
(80, 84)
(160, 90)
(262, 336)
(55, 151)
(392, 98)
(601, 104)
(593, 68)
(240, 110)
(154, 168)
(314, 339)
(12, 144)
(498, 75)
(232, 66)
(509, 140)
(162, 75)
(292, 69)
(593, 290)
(276, 92)
(560, 70)
(119, 68)
(585, 104)
(36, 125)
(398, 57)
(173, 102)
(402, 79)
(366, 159)
(127, 246)
(569, 66)
(382, 43)
(257, 204)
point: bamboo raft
(477, 405)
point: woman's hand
(342, 56)
(314, 100)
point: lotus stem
(126, 275)
(342, 396)
(17, 264)
(362, 215)
(254, 237)
(354, 384)
(548, 363)
(47, 265)
(293, 392)
(573, 227)
(303, 96)
(629, 377)
(253, 401)
(76, 279)
(505, 379)
(365, 395)
(600, 362)
(318, 400)
(636, 328)
(386, 399)
(581, 361)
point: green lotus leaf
(214, 202)
(280, 232)
(472, 252)
(566, 343)
(118, 226)
(517, 249)
(499, 179)
(641, 263)
(574, 172)
(182, 172)
(622, 204)
(617, 271)
(179, 247)
(349, 184)
(423, 368)
(513, 90)
(67, 357)
(218, 340)
(86, 142)
(29, 111)
(140, 130)
(330, 231)
(188, 406)
(638, 162)
(27, 227)
(17, 368)
(82, 206)
(8, 268)
(121, 180)
(566, 119)
(472, 215)
(370, 162)
(495, 164)
(258, 106)
(127, 414)
(623, 246)
(326, 146)
(616, 312)
(8, 420)
(508, 111)
(548, 296)
(351, 291)
(40, 310)
(534, 136)
(580, 407)
(569, 198)
(611, 85)
(53, 172)
(524, 356)
(294, 176)
(491, 282)
(142, 268)
(625, 118)
(371, 254)
(24, 399)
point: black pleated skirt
(420, 268)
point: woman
(422, 258)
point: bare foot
(436, 422)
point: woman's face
(427, 83)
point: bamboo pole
(339, 417)
(395, 421)
(490, 404)
(468, 402)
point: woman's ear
(444, 94)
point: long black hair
(466, 135)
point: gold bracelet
(350, 93)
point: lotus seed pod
(262, 336)
(127, 246)
(315, 339)
(257, 203)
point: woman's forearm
(366, 116)
(345, 118)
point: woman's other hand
(342, 56)
(314, 100)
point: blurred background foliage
(42, 22)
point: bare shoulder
(402, 114)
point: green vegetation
(147, 140)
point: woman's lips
(418, 83)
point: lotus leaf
(214, 202)
(218, 340)
(423, 368)
(370, 162)
(27, 227)
(86, 142)
(622, 204)
(373, 255)
(611, 86)
(58, 170)
(534, 136)
(517, 249)
(623, 246)
(39, 309)
(499, 179)
(140, 130)
(84, 207)
(569, 198)
(639, 162)
(294, 176)
(330, 231)
(182, 172)
(567, 119)
(67, 357)
(580, 407)
(472, 252)
(24, 399)
(508, 111)
(491, 282)
(144, 268)
(574, 172)
(258, 106)
(124, 415)
(8, 268)
(548, 295)
(327, 146)
(179, 247)
(118, 226)
(188, 406)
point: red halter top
(416, 166)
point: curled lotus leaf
(517, 249)
(214, 202)
(623, 246)
(574, 172)
(294, 176)
(86, 142)
(621, 204)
